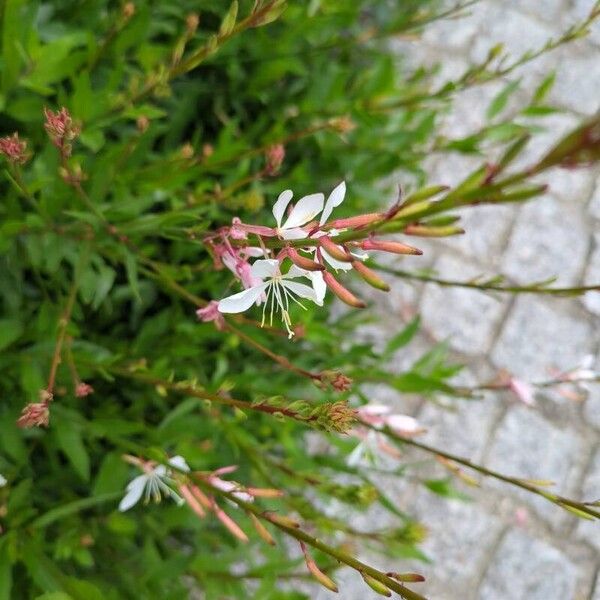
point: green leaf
(10, 331)
(5, 570)
(72, 508)
(132, 274)
(70, 442)
(544, 88)
(498, 104)
(446, 489)
(403, 338)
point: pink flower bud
(333, 249)
(354, 222)
(274, 155)
(302, 261)
(341, 292)
(389, 246)
(83, 389)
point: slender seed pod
(433, 230)
(261, 530)
(376, 586)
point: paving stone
(594, 207)
(458, 552)
(526, 568)
(466, 317)
(592, 276)
(591, 407)
(590, 530)
(528, 446)
(579, 73)
(464, 428)
(549, 239)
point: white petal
(2, 481)
(243, 300)
(179, 463)
(300, 289)
(305, 210)
(159, 471)
(319, 286)
(402, 423)
(335, 263)
(293, 234)
(265, 268)
(335, 199)
(281, 204)
(374, 409)
(253, 251)
(135, 489)
(295, 271)
(355, 457)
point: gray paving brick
(526, 568)
(580, 73)
(592, 276)
(467, 318)
(589, 530)
(538, 335)
(528, 446)
(595, 200)
(549, 239)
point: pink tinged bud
(370, 276)
(235, 232)
(14, 149)
(201, 497)
(229, 523)
(389, 246)
(354, 222)
(282, 520)
(83, 389)
(523, 391)
(261, 530)
(61, 129)
(302, 261)
(265, 492)
(274, 155)
(191, 500)
(323, 579)
(333, 249)
(211, 313)
(256, 229)
(341, 292)
(34, 415)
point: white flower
(2, 481)
(305, 210)
(232, 487)
(335, 199)
(154, 483)
(279, 290)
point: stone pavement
(507, 545)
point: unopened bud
(302, 261)
(83, 389)
(342, 124)
(323, 579)
(370, 276)
(128, 10)
(355, 222)
(282, 520)
(187, 151)
(191, 22)
(376, 585)
(389, 246)
(433, 230)
(261, 530)
(142, 123)
(406, 577)
(207, 150)
(341, 292)
(333, 249)
(274, 155)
